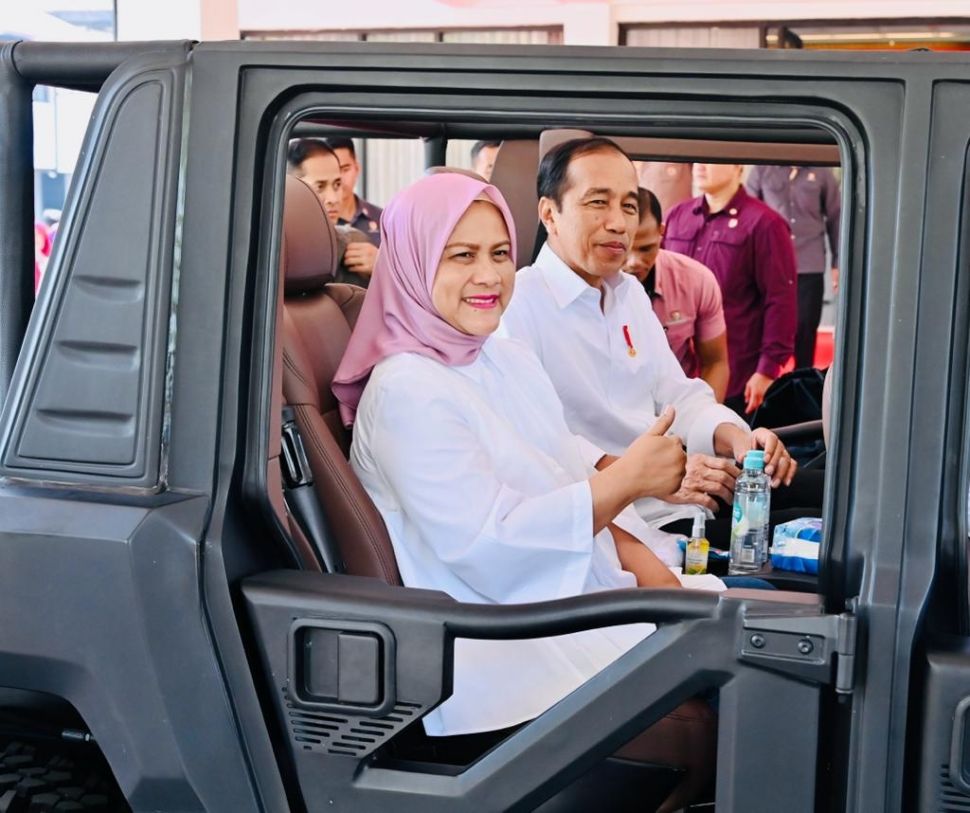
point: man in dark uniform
(354, 211)
(314, 163)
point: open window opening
(663, 157)
(313, 495)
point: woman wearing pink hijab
(460, 440)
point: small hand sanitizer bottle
(695, 556)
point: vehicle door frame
(884, 129)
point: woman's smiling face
(476, 274)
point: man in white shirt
(597, 336)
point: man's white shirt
(611, 366)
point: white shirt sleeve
(592, 454)
(698, 413)
(506, 545)
(663, 544)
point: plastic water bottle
(749, 522)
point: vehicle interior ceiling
(344, 501)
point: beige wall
(178, 19)
(596, 22)
(583, 23)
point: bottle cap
(698, 530)
(755, 460)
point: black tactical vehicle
(198, 606)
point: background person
(42, 252)
(748, 246)
(670, 181)
(685, 297)
(356, 212)
(314, 163)
(483, 157)
(809, 199)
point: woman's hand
(638, 559)
(653, 466)
(655, 460)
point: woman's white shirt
(485, 495)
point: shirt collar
(358, 208)
(734, 207)
(564, 283)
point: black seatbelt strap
(301, 497)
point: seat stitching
(291, 364)
(364, 520)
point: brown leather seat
(318, 316)
(514, 173)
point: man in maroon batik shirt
(748, 246)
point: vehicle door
(838, 709)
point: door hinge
(815, 648)
(845, 652)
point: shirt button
(793, 220)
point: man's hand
(657, 461)
(779, 465)
(754, 391)
(707, 477)
(360, 258)
(835, 278)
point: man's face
(349, 170)
(322, 172)
(591, 231)
(714, 178)
(484, 162)
(644, 248)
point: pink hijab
(397, 315)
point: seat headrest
(548, 139)
(310, 246)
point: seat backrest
(318, 316)
(514, 174)
(549, 139)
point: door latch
(815, 648)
